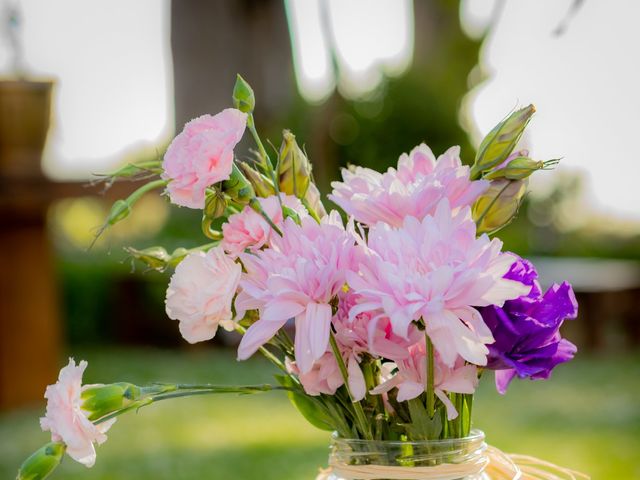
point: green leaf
(310, 407)
(422, 427)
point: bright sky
(364, 50)
(584, 83)
(115, 91)
(113, 62)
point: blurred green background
(97, 305)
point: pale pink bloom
(413, 189)
(200, 294)
(249, 230)
(369, 332)
(436, 269)
(365, 335)
(66, 420)
(296, 278)
(201, 155)
(324, 376)
(411, 378)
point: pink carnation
(201, 292)
(66, 420)
(411, 378)
(296, 278)
(413, 189)
(249, 230)
(436, 269)
(202, 155)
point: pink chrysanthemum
(411, 378)
(413, 189)
(296, 278)
(436, 269)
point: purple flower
(526, 330)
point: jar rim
(475, 436)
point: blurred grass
(587, 417)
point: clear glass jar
(451, 459)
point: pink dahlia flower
(296, 278)
(66, 420)
(436, 269)
(324, 377)
(411, 378)
(201, 155)
(249, 230)
(200, 294)
(369, 332)
(413, 189)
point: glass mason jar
(450, 459)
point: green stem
(264, 156)
(177, 391)
(257, 207)
(357, 406)
(429, 387)
(135, 196)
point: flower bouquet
(380, 325)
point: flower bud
(119, 211)
(243, 97)
(289, 212)
(496, 147)
(499, 205)
(294, 169)
(177, 256)
(517, 169)
(520, 168)
(261, 184)
(101, 400)
(237, 187)
(313, 201)
(153, 257)
(215, 203)
(42, 462)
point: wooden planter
(25, 111)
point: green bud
(154, 257)
(243, 97)
(237, 187)
(101, 400)
(42, 462)
(177, 256)
(313, 202)
(119, 211)
(215, 203)
(520, 168)
(294, 168)
(290, 213)
(260, 183)
(499, 205)
(496, 147)
(517, 169)
(131, 170)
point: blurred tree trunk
(212, 41)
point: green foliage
(311, 408)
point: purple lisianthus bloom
(526, 330)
